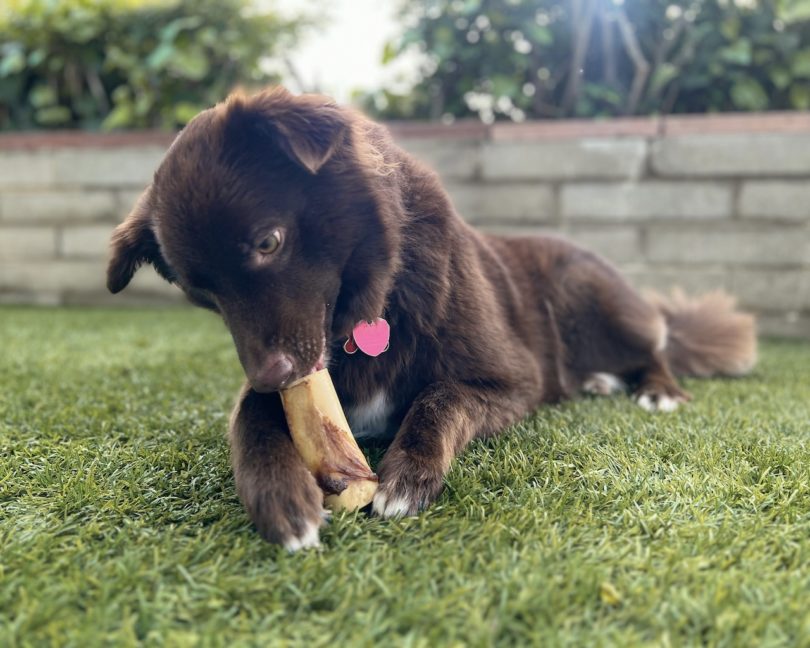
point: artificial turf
(590, 523)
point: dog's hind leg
(443, 419)
(639, 333)
(280, 495)
(611, 329)
(656, 389)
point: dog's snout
(273, 374)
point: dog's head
(276, 212)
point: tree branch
(581, 23)
(640, 63)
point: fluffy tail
(706, 335)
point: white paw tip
(603, 384)
(645, 402)
(307, 540)
(662, 403)
(378, 503)
(394, 507)
(667, 404)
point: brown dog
(296, 220)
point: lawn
(590, 523)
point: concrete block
(126, 166)
(25, 169)
(789, 324)
(737, 154)
(27, 243)
(53, 277)
(776, 200)
(39, 298)
(126, 199)
(514, 203)
(772, 289)
(146, 288)
(449, 158)
(91, 241)
(521, 231)
(81, 282)
(147, 281)
(646, 200)
(617, 244)
(785, 246)
(663, 279)
(53, 206)
(609, 158)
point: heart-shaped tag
(372, 337)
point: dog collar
(371, 338)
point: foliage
(125, 64)
(590, 524)
(559, 58)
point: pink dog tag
(371, 337)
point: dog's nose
(274, 373)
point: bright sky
(344, 53)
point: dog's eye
(271, 243)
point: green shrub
(114, 64)
(501, 59)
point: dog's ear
(309, 129)
(133, 243)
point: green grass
(591, 523)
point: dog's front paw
(290, 514)
(406, 487)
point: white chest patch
(370, 419)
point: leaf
(191, 64)
(389, 53)
(121, 94)
(120, 116)
(662, 76)
(443, 41)
(730, 27)
(159, 58)
(793, 11)
(602, 93)
(41, 96)
(801, 64)
(737, 54)
(208, 36)
(53, 116)
(800, 96)
(780, 78)
(170, 31)
(539, 34)
(12, 61)
(609, 595)
(37, 56)
(144, 101)
(185, 111)
(748, 94)
(696, 81)
(504, 86)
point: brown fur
(707, 337)
(484, 329)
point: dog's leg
(443, 419)
(641, 333)
(280, 495)
(657, 390)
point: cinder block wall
(699, 202)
